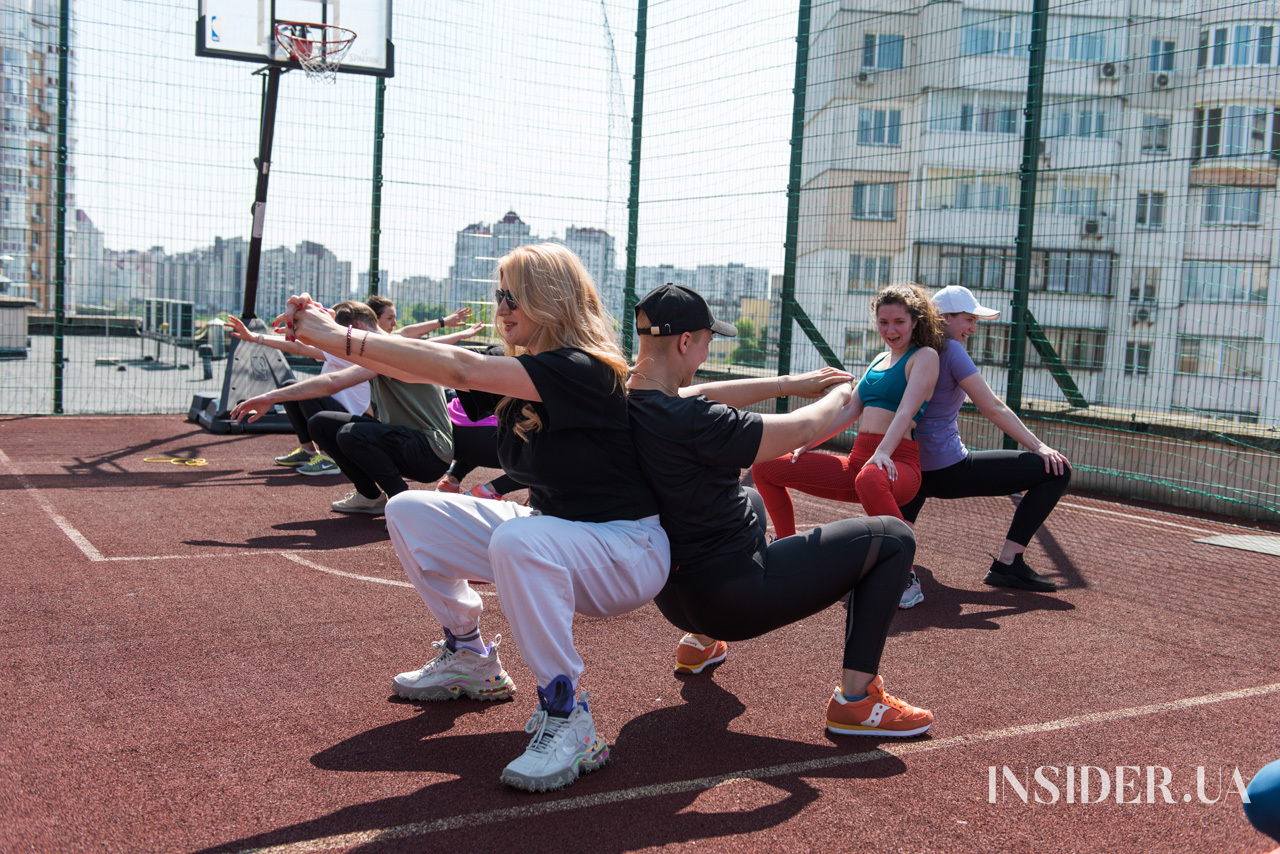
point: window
(1232, 205)
(873, 201)
(975, 112)
(868, 272)
(861, 346)
(1208, 281)
(989, 344)
(963, 189)
(881, 50)
(1155, 134)
(1219, 357)
(1077, 348)
(1146, 281)
(1150, 210)
(1072, 39)
(975, 267)
(1071, 272)
(1137, 359)
(1238, 45)
(1076, 118)
(1073, 195)
(1161, 56)
(879, 127)
(994, 33)
(1234, 131)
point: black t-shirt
(582, 464)
(693, 452)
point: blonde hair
(928, 329)
(554, 290)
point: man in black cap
(727, 581)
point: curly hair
(928, 328)
(554, 290)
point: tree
(748, 351)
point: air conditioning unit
(865, 77)
(1161, 80)
(1144, 312)
(1108, 71)
(1093, 226)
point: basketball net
(319, 57)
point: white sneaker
(354, 502)
(912, 596)
(560, 750)
(454, 672)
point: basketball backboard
(245, 30)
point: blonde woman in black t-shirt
(589, 542)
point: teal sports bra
(884, 388)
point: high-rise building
(28, 138)
(477, 249)
(1155, 200)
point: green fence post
(793, 198)
(1026, 209)
(375, 226)
(60, 209)
(633, 197)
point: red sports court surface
(198, 658)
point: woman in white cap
(950, 470)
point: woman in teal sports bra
(882, 470)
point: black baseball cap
(674, 309)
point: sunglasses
(501, 295)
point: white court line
(312, 565)
(473, 820)
(1146, 519)
(75, 536)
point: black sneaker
(1019, 575)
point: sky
(495, 106)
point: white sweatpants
(545, 569)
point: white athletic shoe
(454, 672)
(912, 596)
(354, 502)
(560, 750)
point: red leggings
(840, 478)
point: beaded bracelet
(348, 340)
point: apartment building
(1154, 242)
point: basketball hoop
(319, 57)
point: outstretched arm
(324, 385)
(998, 413)
(785, 431)
(275, 342)
(744, 392)
(455, 337)
(417, 330)
(407, 359)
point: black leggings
(300, 412)
(477, 447)
(776, 584)
(376, 457)
(997, 473)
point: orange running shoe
(448, 484)
(879, 714)
(693, 657)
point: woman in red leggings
(882, 470)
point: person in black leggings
(950, 470)
(727, 581)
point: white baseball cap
(955, 299)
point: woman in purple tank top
(949, 470)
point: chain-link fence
(784, 159)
